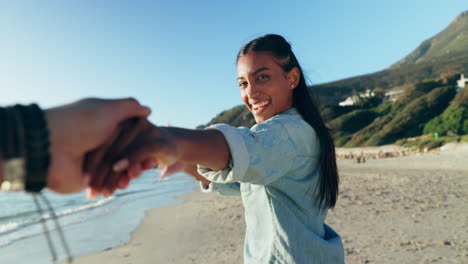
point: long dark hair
(305, 103)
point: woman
(284, 167)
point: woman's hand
(165, 171)
(139, 144)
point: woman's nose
(252, 90)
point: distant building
(389, 96)
(349, 101)
(461, 83)
(392, 96)
(354, 99)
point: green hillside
(454, 120)
(406, 118)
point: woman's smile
(259, 107)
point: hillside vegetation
(454, 120)
(404, 118)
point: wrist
(169, 146)
(65, 170)
(51, 118)
(204, 181)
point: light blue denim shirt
(274, 167)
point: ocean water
(88, 226)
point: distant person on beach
(47, 148)
(284, 167)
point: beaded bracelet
(25, 148)
(37, 147)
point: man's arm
(77, 129)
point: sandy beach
(396, 210)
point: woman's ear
(293, 77)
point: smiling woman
(284, 167)
(289, 81)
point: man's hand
(80, 128)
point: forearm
(207, 148)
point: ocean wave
(17, 215)
(15, 226)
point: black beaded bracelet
(37, 144)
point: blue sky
(178, 57)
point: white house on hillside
(349, 101)
(393, 96)
(354, 99)
(389, 96)
(461, 83)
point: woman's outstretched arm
(163, 145)
(207, 148)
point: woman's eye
(262, 77)
(242, 84)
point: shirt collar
(291, 111)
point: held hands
(138, 146)
(172, 149)
(103, 144)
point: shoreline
(183, 233)
(408, 209)
(88, 226)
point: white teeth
(255, 106)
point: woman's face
(266, 88)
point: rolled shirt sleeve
(259, 155)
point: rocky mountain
(452, 42)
